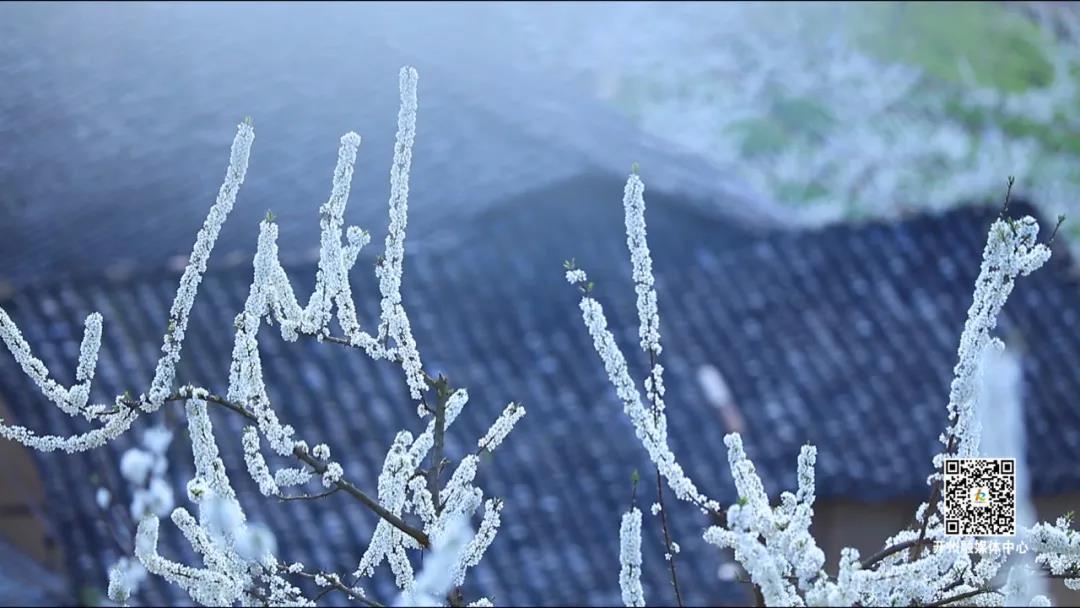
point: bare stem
(667, 537)
(887, 551)
(284, 498)
(335, 585)
(442, 395)
(962, 596)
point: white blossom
(156, 499)
(576, 276)
(773, 543)
(156, 439)
(441, 567)
(136, 465)
(332, 474)
(478, 545)
(238, 557)
(1011, 250)
(200, 254)
(395, 323)
(256, 464)
(256, 542)
(641, 259)
(502, 427)
(291, 476)
(650, 424)
(630, 559)
(197, 490)
(71, 401)
(125, 577)
(103, 497)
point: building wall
(22, 521)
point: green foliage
(1003, 49)
(788, 119)
(759, 136)
(90, 596)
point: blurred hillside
(848, 110)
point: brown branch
(335, 585)
(1008, 194)
(284, 498)
(667, 537)
(317, 466)
(887, 551)
(935, 493)
(962, 596)
(442, 395)
(659, 484)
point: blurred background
(849, 109)
(820, 179)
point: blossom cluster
(239, 557)
(773, 544)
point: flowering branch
(236, 567)
(774, 544)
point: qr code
(980, 497)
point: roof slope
(115, 122)
(844, 337)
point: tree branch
(667, 537)
(318, 467)
(887, 551)
(284, 498)
(335, 585)
(962, 596)
(442, 394)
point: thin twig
(667, 538)
(1060, 221)
(284, 498)
(1008, 195)
(962, 596)
(657, 413)
(317, 466)
(935, 494)
(442, 395)
(887, 551)
(335, 585)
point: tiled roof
(844, 337)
